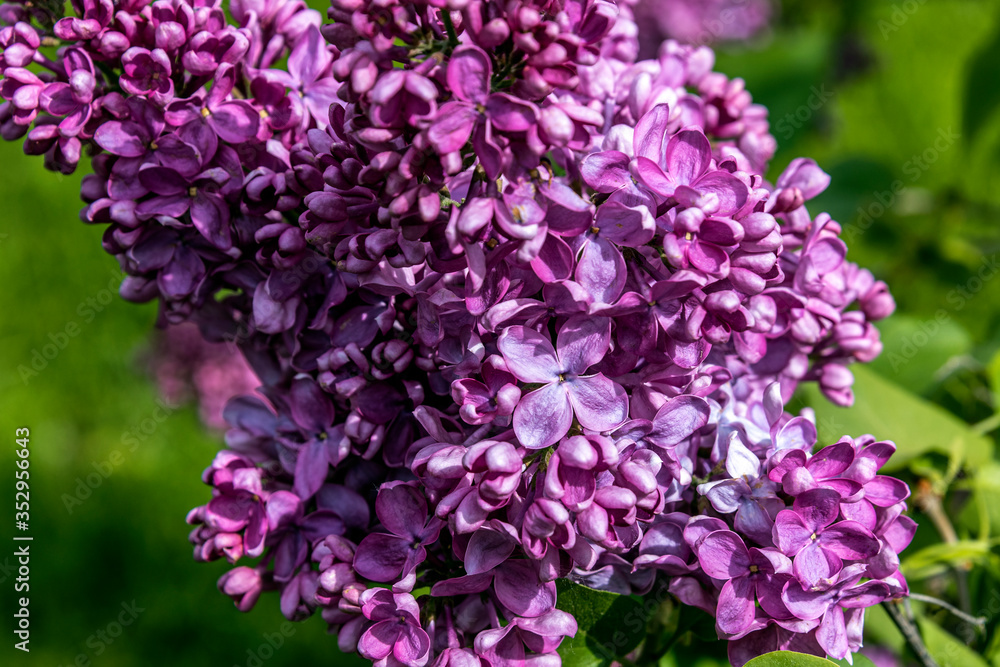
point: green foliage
(608, 625)
(792, 659)
(917, 426)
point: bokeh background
(898, 101)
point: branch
(910, 633)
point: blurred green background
(879, 93)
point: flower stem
(450, 27)
(977, 621)
(910, 633)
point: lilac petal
(509, 114)
(309, 57)
(798, 433)
(378, 640)
(402, 509)
(849, 540)
(688, 155)
(598, 402)
(866, 595)
(283, 508)
(311, 409)
(473, 583)
(735, 612)
(804, 174)
(487, 549)
(650, 132)
(453, 127)
(678, 418)
(804, 603)
(740, 461)
(832, 634)
(211, 218)
(411, 644)
(582, 342)
(790, 532)
(885, 491)
(653, 177)
(813, 564)
(725, 495)
(723, 555)
(625, 225)
(121, 138)
(606, 171)
(900, 533)
(709, 258)
(601, 270)
(519, 590)
(818, 508)
(753, 520)
(529, 355)
(554, 261)
(831, 461)
(543, 416)
(235, 122)
(469, 72)
(731, 191)
(311, 468)
(380, 557)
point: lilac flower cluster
(700, 21)
(522, 307)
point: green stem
(450, 27)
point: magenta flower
(396, 629)
(808, 534)
(402, 510)
(146, 72)
(476, 112)
(749, 576)
(545, 415)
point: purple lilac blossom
(520, 307)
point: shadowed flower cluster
(521, 307)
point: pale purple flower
(545, 415)
(810, 534)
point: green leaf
(888, 411)
(859, 661)
(911, 357)
(788, 659)
(947, 649)
(608, 625)
(981, 102)
(937, 557)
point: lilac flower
(476, 112)
(545, 415)
(747, 492)
(749, 575)
(441, 245)
(147, 72)
(388, 556)
(396, 629)
(809, 535)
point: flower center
(205, 112)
